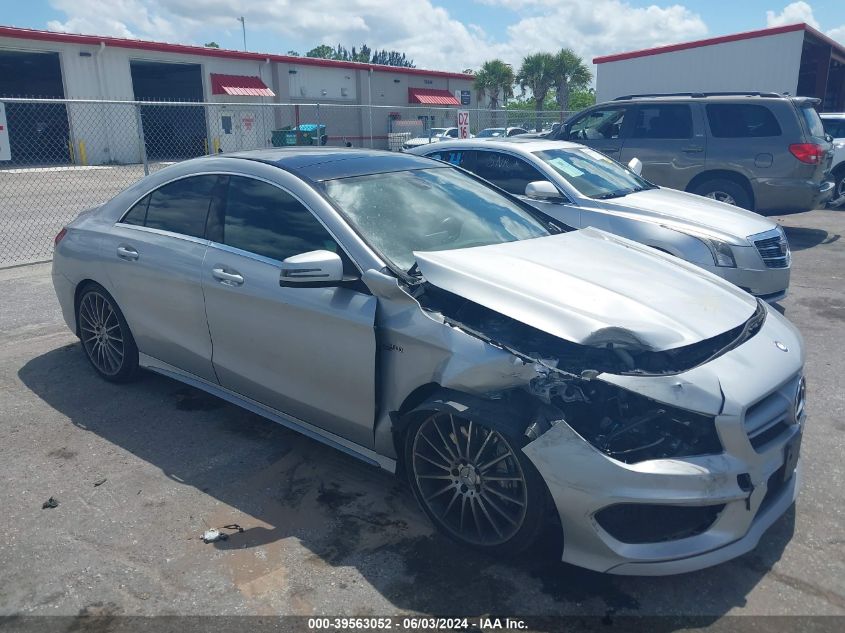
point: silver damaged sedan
(404, 311)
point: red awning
(239, 85)
(431, 96)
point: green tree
(494, 81)
(211, 45)
(537, 74)
(323, 51)
(580, 99)
(571, 74)
(292, 54)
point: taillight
(59, 236)
(809, 153)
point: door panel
(669, 139)
(308, 352)
(159, 291)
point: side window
(668, 121)
(508, 172)
(181, 206)
(741, 120)
(459, 158)
(263, 219)
(138, 213)
(599, 125)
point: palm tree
(571, 73)
(537, 74)
(494, 79)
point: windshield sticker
(566, 168)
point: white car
(437, 134)
(582, 187)
(834, 124)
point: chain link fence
(64, 156)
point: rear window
(741, 120)
(813, 121)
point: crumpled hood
(592, 288)
(679, 210)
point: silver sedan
(412, 315)
(583, 187)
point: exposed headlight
(722, 254)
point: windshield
(429, 210)
(491, 131)
(592, 173)
(438, 131)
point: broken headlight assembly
(632, 428)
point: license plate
(790, 456)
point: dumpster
(305, 134)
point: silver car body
(670, 220)
(437, 134)
(343, 365)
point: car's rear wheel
(106, 338)
(726, 191)
(474, 483)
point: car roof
(512, 143)
(327, 163)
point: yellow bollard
(71, 152)
(216, 145)
(83, 157)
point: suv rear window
(813, 121)
(741, 120)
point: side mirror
(542, 190)
(636, 166)
(320, 268)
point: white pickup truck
(834, 124)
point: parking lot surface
(141, 470)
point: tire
(839, 186)
(106, 339)
(498, 516)
(725, 190)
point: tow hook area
(743, 480)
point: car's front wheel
(474, 483)
(106, 338)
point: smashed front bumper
(743, 490)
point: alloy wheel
(469, 479)
(721, 196)
(102, 336)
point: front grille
(772, 416)
(773, 248)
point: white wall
(769, 63)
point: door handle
(227, 277)
(127, 252)
(692, 149)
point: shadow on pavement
(803, 238)
(347, 513)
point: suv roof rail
(700, 95)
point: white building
(67, 66)
(795, 59)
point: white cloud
(802, 12)
(792, 14)
(424, 31)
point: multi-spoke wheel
(105, 336)
(474, 482)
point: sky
(436, 34)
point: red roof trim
(162, 47)
(735, 37)
(239, 85)
(431, 96)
